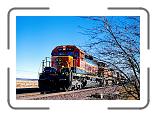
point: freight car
(70, 68)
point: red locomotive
(71, 68)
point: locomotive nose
(60, 62)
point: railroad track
(84, 94)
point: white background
(67, 7)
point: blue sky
(36, 36)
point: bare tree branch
(117, 44)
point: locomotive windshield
(50, 70)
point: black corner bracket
(148, 19)
(19, 108)
(19, 8)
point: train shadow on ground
(27, 90)
(33, 90)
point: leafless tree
(116, 41)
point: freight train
(70, 68)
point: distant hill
(24, 79)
